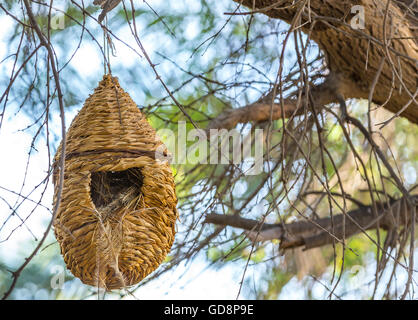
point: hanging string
(104, 50)
(107, 48)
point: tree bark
(355, 55)
(310, 234)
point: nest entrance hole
(110, 187)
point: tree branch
(259, 111)
(48, 46)
(355, 53)
(319, 232)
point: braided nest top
(116, 219)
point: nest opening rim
(107, 186)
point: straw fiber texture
(116, 220)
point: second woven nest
(116, 219)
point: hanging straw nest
(116, 219)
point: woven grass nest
(116, 219)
